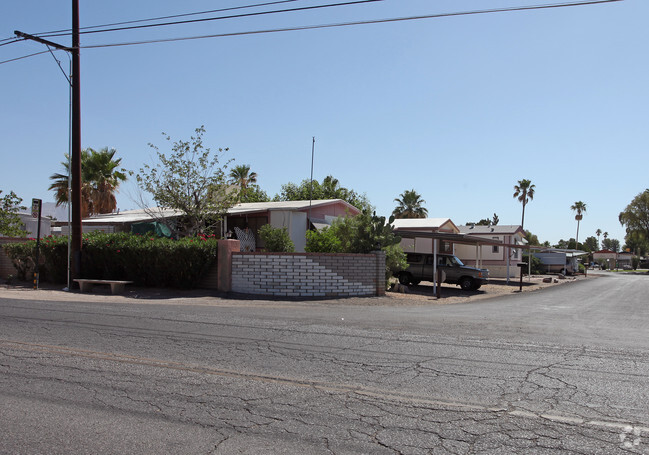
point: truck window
(413, 258)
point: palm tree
(524, 191)
(410, 205)
(598, 232)
(100, 179)
(242, 177)
(580, 208)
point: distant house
(606, 258)
(501, 260)
(296, 216)
(425, 225)
(624, 259)
(29, 225)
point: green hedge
(145, 259)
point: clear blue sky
(457, 108)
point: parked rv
(564, 262)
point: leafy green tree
(10, 224)
(524, 191)
(636, 217)
(531, 238)
(487, 221)
(410, 205)
(637, 242)
(562, 244)
(611, 245)
(329, 189)
(580, 208)
(591, 244)
(276, 240)
(100, 179)
(191, 180)
(253, 193)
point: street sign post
(37, 206)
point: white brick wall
(307, 275)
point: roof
(141, 215)
(132, 216)
(252, 207)
(494, 229)
(422, 223)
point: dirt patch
(450, 294)
(421, 294)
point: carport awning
(450, 237)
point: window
(446, 247)
(495, 248)
(414, 258)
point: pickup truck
(420, 268)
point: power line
(68, 31)
(234, 16)
(198, 13)
(343, 24)
(356, 23)
(24, 56)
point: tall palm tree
(100, 178)
(410, 205)
(242, 177)
(598, 232)
(580, 208)
(524, 191)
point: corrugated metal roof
(420, 223)
(140, 215)
(496, 229)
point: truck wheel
(405, 278)
(466, 283)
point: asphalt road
(564, 370)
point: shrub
(22, 256)
(324, 241)
(363, 234)
(537, 265)
(146, 260)
(395, 260)
(276, 240)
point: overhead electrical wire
(171, 16)
(356, 23)
(208, 19)
(135, 21)
(345, 24)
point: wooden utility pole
(76, 144)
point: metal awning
(450, 237)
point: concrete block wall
(308, 274)
(6, 266)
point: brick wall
(308, 274)
(6, 267)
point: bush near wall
(146, 260)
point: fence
(303, 275)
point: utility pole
(76, 144)
(75, 165)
